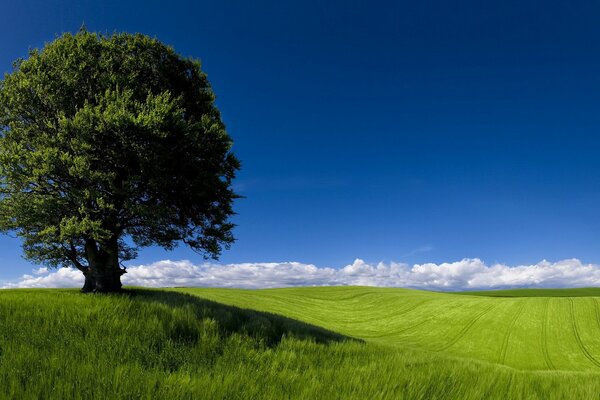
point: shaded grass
(265, 327)
(149, 344)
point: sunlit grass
(539, 332)
(167, 344)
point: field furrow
(544, 336)
(466, 328)
(575, 327)
(509, 331)
(597, 312)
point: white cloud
(60, 278)
(40, 271)
(466, 274)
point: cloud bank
(466, 274)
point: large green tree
(109, 143)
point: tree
(109, 143)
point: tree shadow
(266, 327)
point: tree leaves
(104, 138)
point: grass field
(538, 330)
(324, 343)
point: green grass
(581, 292)
(526, 333)
(305, 343)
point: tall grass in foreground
(151, 344)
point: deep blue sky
(408, 131)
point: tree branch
(72, 255)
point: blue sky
(412, 132)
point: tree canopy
(109, 143)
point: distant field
(300, 343)
(582, 292)
(504, 327)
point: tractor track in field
(544, 337)
(339, 299)
(466, 328)
(411, 326)
(409, 309)
(582, 347)
(424, 321)
(413, 307)
(509, 330)
(378, 318)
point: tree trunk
(102, 279)
(104, 273)
(90, 282)
(108, 280)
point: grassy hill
(544, 331)
(327, 343)
(581, 292)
